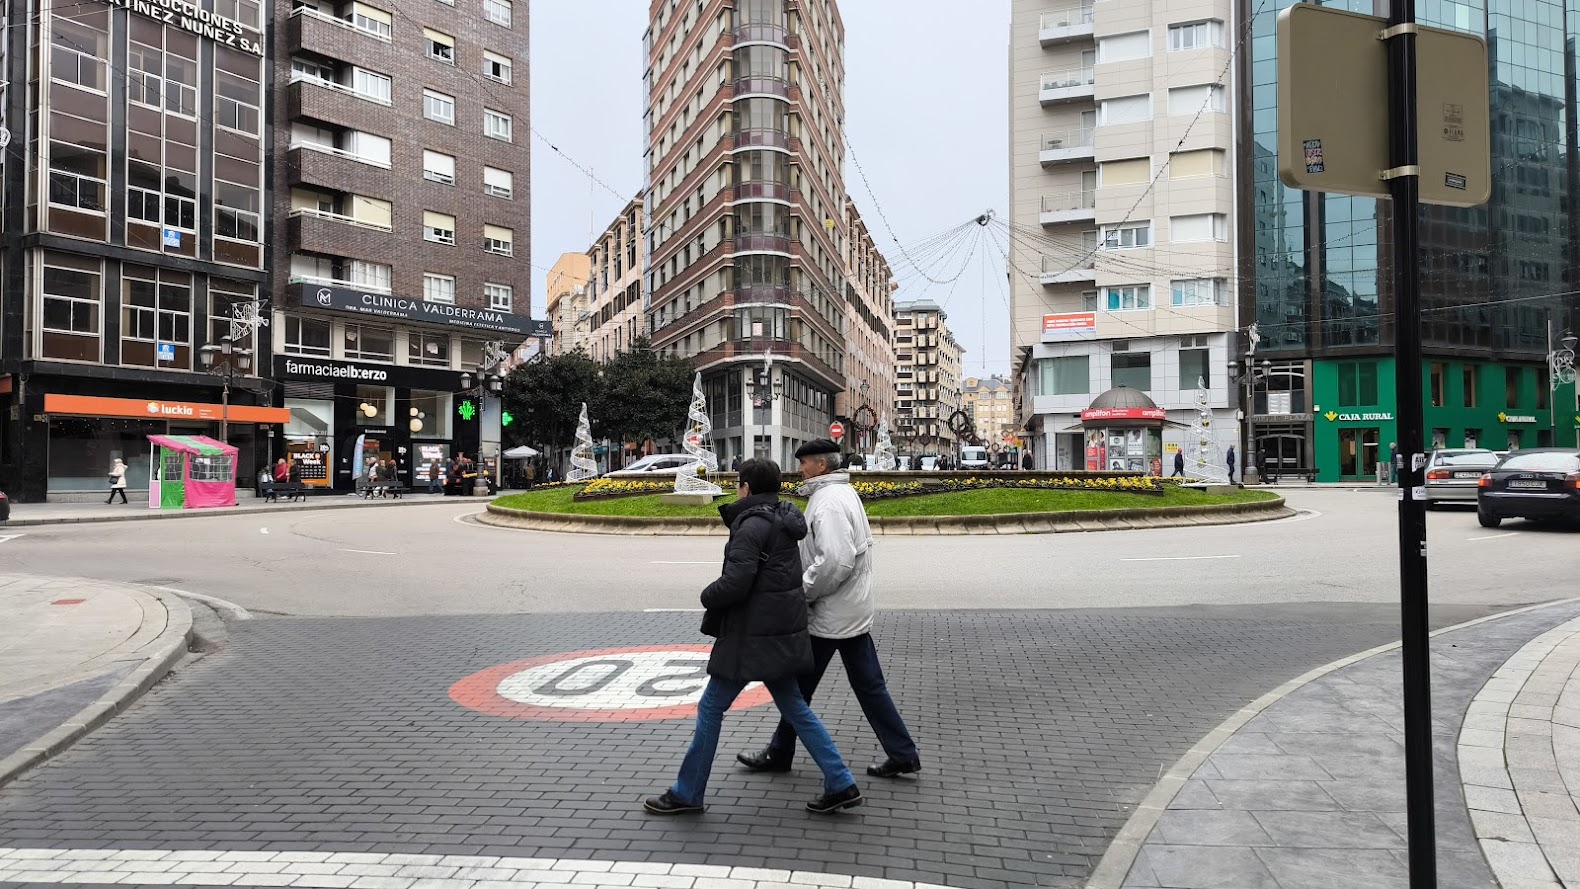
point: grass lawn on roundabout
(995, 501)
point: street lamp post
(225, 359)
(1254, 373)
(1560, 372)
(489, 382)
(765, 390)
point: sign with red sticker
(634, 684)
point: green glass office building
(1495, 279)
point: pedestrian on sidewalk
(1025, 461)
(1229, 459)
(757, 614)
(266, 484)
(837, 579)
(532, 474)
(117, 480)
(282, 472)
(433, 476)
(1179, 464)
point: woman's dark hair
(761, 475)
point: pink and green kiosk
(191, 472)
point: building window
(497, 11)
(71, 300)
(181, 85)
(1200, 292)
(1066, 375)
(1129, 298)
(1358, 383)
(501, 297)
(156, 311)
(1124, 237)
(1125, 109)
(370, 275)
(498, 183)
(438, 288)
(1194, 164)
(307, 336)
(1189, 100)
(1195, 369)
(77, 52)
(374, 21)
(1124, 47)
(440, 46)
(433, 410)
(439, 107)
(365, 343)
(248, 12)
(438, 167)
(236, 103)
(1198, 227)
(1195, 35)
(76, 177)
(237, 212)
(372, 85)
(1438, 383)
(1133, 369)
(432, 349)
(438, 227)
(496, 67)
(496, 125)
(144, 83)
(1511, 386)
(497, 239)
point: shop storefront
(344, 413)
(86, 433)
(1123, 432)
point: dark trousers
(113, 492)
(860, 656)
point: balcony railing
(341, 218)
(1068, 17)
(775, 190)
(1069, 201)
(309, 12)
(1068, 139)
(763, 34)
(767, 86)
(337, 282)
(762, 137)
(1068, 79)
(750, 242)
(1057, 265)
(299, 77)
(340, 152)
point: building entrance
(1358, 450)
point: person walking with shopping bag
(117, 480)
(757, 614)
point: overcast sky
(926, 116)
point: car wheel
(1488, 521)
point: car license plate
(1467, 475)
(1523, 483)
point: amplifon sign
(191, 17)
(94, 406)
(1069, 326)
(1100, 414)
(636, 684)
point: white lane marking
(324, 869)
(1303, 515)
(369, 552)
(709, 562)
(670, 610)
(6, 537)
(231, 609)
(1494, 536)
(1177, 558)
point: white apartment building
(1123, 267)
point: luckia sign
(190, 17)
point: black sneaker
(762, 761)
(849, 798)
(669, 804)
(892, 768)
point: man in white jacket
(836, 558)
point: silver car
(1452, 474)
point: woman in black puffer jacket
(757, 613)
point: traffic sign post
(1350, 90)
(836, 430)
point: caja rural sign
(633, 684)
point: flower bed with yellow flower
(602, 488)
(1119, 484)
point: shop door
(1358, 450)
(1285, 451)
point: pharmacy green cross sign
(467, 410)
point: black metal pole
(1405, 189)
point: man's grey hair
(831, 462)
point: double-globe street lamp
(764, 390)
(1561, 372)
(1254, 373)
(489, 382)
(227, 360)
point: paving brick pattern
(1039, 732)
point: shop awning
(193, 444)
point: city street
(471, 701)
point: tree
(545, 398)
(644, 395)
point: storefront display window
(432, 414)
(81, 450)
(375, 405)
(308, 437)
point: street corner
(628, 684)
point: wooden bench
(1274, 473)
(380, 490)
(288, 490)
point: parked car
(1454, 474)
(5, 508)
(657, 465)
(1539, 483)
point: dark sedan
(5, 509)
(1541, 484)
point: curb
(162, 515)
(907, 526)
(170, 646)
(1126, 846)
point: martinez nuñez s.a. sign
(385, 305)
(191, 17)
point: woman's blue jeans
(692, 785)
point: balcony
(336, 104)
(336, 170)
(1058, 87)
(777, 87)
(340, 152)
(760, 243)
(1065, 25)
(335, 235)
(298, 77)
(341, 218)
(775, 34)
(1072, 206)
(750, 191)
(762, 137)
(1066, 147)
(324, 34)
(1078, 269)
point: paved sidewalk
(26, 514)
(1310, 794)
(72, 652)
(1519, 753)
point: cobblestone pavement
(1039, 732)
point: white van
(973, 457)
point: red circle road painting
(635, 684)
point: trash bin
(1382, 472)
